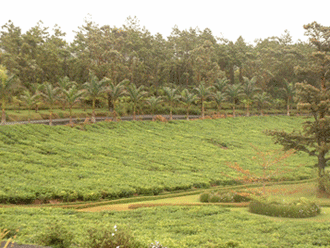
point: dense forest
(271, 67)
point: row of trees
(185, 58)
(68, 93)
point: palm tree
(35, 90)
(188, 99)
(153, 102)
(262, 99)
(221, 84)
(64, 84)
(249, 90)
(7, 85)
(203, 93)
(136, 95)
(114, 92)
(94, 89)
(289, 92)
(29, 100)
(234, 92)
(72, 96)
(50, 95)
(171, 95)
(219, 97)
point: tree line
(186, 61)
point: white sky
(251, 19)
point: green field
(177, 226)
(115, 160)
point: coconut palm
(262, 99)
(114, 92)
(7, 85)
(72, 96)
(234, 92)
(289, 92)
(171, 97)
(50, 95)
(94, 89)
(249, 90)
(136, 95)
(203, 93)
(30, 100)
(35, 89)
(153, 102)
(64, 84)
(221, 84)
(219, 97)
(188, 99)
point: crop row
(174, 226)
(115, 160)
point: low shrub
(224, 197)
(55, 236)
(204, 197)
(215, 198)
(110, 238)
(298, 209)
(324, 183)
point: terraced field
(115, 160)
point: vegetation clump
(56, 236)
(110, 237)
(225, 197)
(296, 209)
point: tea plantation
(112, 160)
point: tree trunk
(231, 75)
(240, 75)
(247, 110)
(288, 108)
(202, 109)
(50, 117)
(234, 110)
(3, 117)
(71, 124)
(114, 113)
(321, 163)
(134, 117)
(29, 111)
(93, 112)
(187, 114)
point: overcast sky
(251, 19)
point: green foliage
(110, 237)
(224, 197)
(140, 158)
(176, 226)
(297, 209)
(204, 197)
(324, 183)
(56, 236)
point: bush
(224, 197)
(204, 197)
(110, 238)
(297, 209)
(55, 236)
(215, 198)
(324, 183)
